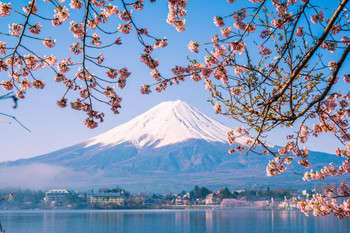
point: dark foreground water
(168, 221)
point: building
(210, 199)
(56, 195)
(179, 201)
(106, 198)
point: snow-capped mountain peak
(167, 123)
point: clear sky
(54, 128)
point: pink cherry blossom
(299, 32)
(217, 108)
(76, 4)
(76, 48)
(2, 47)
(237, 47)
(193, 46)
(15, 29)
(161, 43)
(49, 43)
(124, 28)
(5, 9)
(218, 21)
(39, 84)
(345, 40)
(318, 18)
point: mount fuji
(171, 147)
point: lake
(167, 221)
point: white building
(106, 198)
(56, 195)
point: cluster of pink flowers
(240, 70)
(15, 29)
(98, 3)
(49, 43)
(219, 52)
(217, 108)
(335, 29)
(218, 21)
(237, 47)
(124, 74)
(112, 73)
(304, 133)
(5, 9)
(2, 47)
(30, 8)
(100, 58)
(315, 204)
(264, 50)
(299, 32)
(220, 73)
(145, 89)
(110, 10)
(231, 136)
(61, 15)
(125, 15)
(7, 85)
(325, 204)
(240, 15)
(62, 103)
(138, 5)
(77, 29)
(279, 23)
(318, 18)
(35, 29)
(64, 65)
(226, 31)
(76, 4)
(193, 46)
(148, 49)
(76, 48)
(161, 43)
(90, 123)
(176, 13)
(39, 84)
(124, 28)
(96, 40)
(332, 65)
(155, 74)
(208, 85)
(346, 76)
(84, 75)
(236, 91)
(274, 168)
(331, 46)
(345, 40)
(60, 77)
(149, 61)
(265, 33)
(115, 103)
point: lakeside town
(118, 198)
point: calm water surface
(167, 221)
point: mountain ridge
(169, 147)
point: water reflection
(168, 221)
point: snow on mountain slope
(168, 123)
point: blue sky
(55, 128)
